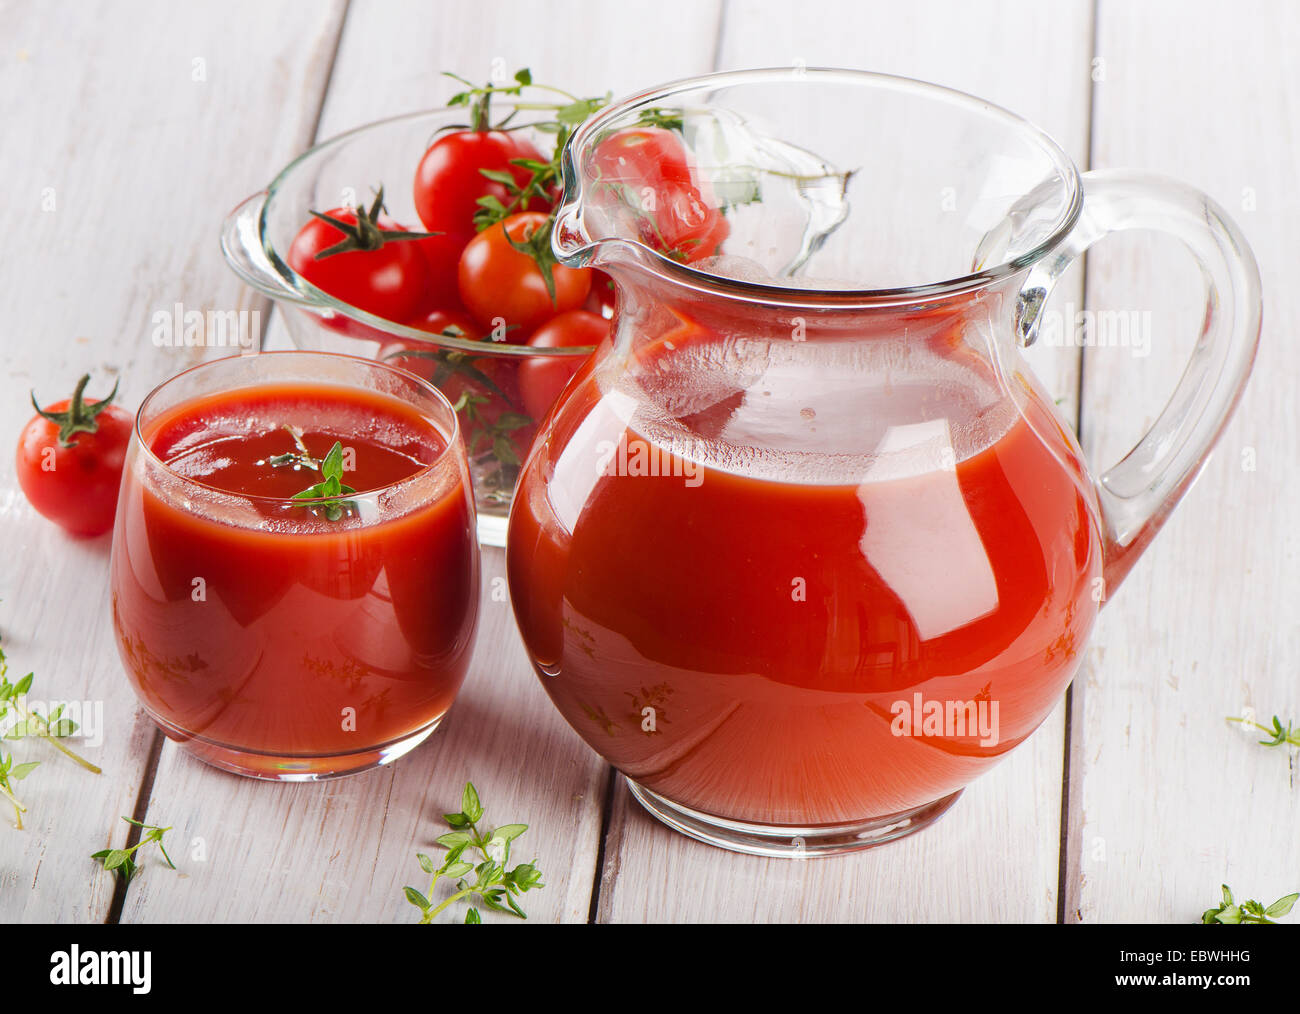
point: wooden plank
(991, 858)
(573, 45)
(995, 855)
(126, 132)
(1171, 800)
(330, 852)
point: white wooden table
(127, 130)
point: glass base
(290, 768)
(790, 842)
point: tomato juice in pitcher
(757, 569)
(805, 547)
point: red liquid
(777, 589)
(266, 628)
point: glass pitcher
(806, 547)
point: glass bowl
(344, 171)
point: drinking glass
(285, 640)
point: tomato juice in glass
(282, 638)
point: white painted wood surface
(1172, 802)
(101, 106)
(137, 123)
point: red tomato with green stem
(648, 169)
(450, 180)
(501, 276)
(362, 258)
(687, 228)
(644, 156)
(542, 378)
(442, 259)
(70, 458)
(422, 358)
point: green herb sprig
(493, 885)
(299, 458)
(495, 431)
(1248, 912)
(50, 728)
(368, 232)
(123, 860)
(1282, 735)
(10, 773)
(331, 491)
(479, 99)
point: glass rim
(452, 440)
(569, 213)
(315, 299)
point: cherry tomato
(422, 358)
(501, 283)
(448, 181)
(391, 280)
(649, 155)
(70, 459)
(649, 170)
(688, 227)
(457, 322)
(542, 378)
(442, 258)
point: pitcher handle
(1137, 494)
